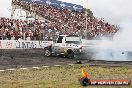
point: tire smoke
(117, 49)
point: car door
(58, 46)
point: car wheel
(47, 52)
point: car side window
(60, 39)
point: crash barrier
(23, 44)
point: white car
(67, 45)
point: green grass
(61, 77)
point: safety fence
(22, 48)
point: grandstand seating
(61, 20)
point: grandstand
(59, 18)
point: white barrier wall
(22, 44)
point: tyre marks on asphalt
(28, 62)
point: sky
(113, 11)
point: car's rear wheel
(47, 52)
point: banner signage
(21, 44)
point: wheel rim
(47, 53)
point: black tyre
(85, 81)
(70, 54)
(47, 52)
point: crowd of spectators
(11, 29)
(60, 21)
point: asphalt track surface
(35, 57)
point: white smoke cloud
(118, 49)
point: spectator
(29, 35)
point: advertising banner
(22, 44)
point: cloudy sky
(113, 11)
